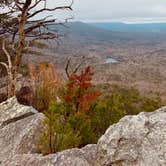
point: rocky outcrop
(135, 141)
(72, 157)
(20, 127)
(11, 111)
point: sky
(111, 10)
(120, 10)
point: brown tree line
(20, 24)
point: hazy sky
(100, 10)
(115, 10)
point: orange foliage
(43, 72)
(78, 92)
(45, 84)
(87, 100)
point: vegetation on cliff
(79, 112)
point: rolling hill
(113, 32)
(141, 27)
(139, 49)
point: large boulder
(135, 141)
(11, 111)
(20, 128)
(73, 157)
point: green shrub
(58, 133)
(66, 127)
(81, 123)
(84, 111)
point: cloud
(112, 10)
(119, 9)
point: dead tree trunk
(21, 43)
(21, 23)
(9, 68)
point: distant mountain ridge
(89, 31)
(113, 32)
(136, 27)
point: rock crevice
(15, 119)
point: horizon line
(125, 20)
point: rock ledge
(135, 141)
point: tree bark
(20, 48)
(9, 68)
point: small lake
(111, 60)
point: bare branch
(7, 54)
(78, 67)
(74, 71)
(5, 65)
(38, 24)
(49, 9)
(67, 68)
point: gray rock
(135, 141)
(20, 128)
(11, 111)
(89, 151)
(72, 157)
(21, 136)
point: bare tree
(21, 24)
(71, 69)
